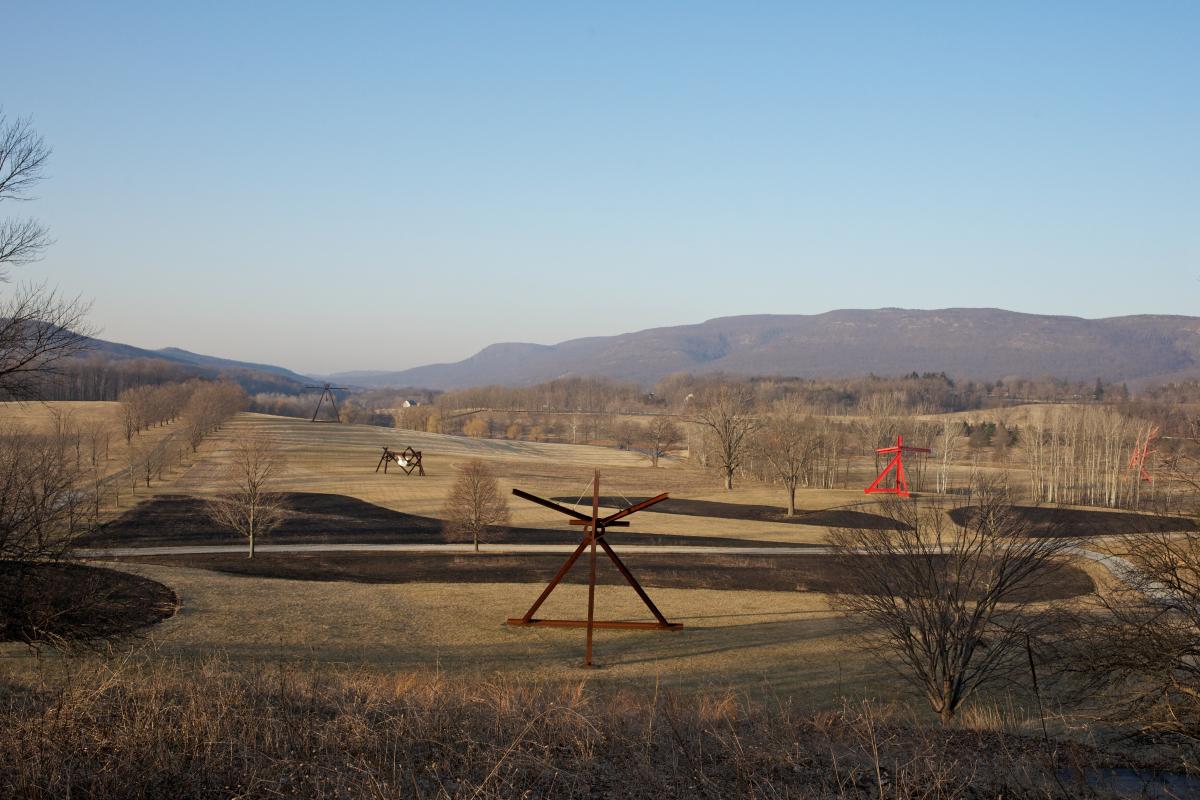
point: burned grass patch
(824, 574)
(1053, 521)
(315, 518)
(74, 605)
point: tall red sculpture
(896, 467)
(1141, 453)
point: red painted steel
(896, 467)
(1142, 451)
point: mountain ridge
(251, 375)
(976, 343)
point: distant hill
(176, 354)
(979, 343)
(182, 364)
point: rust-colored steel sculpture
(327, 390)
(594, 528)
(406, 460)
(896, 465)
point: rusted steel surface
(541, 501)
(593, 536)
(599, 623)
(406, 461)
(327, 390)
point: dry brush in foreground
(163, 730)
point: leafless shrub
(948, 602)
(1143, 652)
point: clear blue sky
(345, 186)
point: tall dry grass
(162, 730)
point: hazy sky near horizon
(382, 185)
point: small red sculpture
(1141, 453)
(900, 484)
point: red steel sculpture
(896, 467)
(1142, 450)
(594, 528)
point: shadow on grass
(77, 605)
(1053, 521)
(824, 574)
(313, 518)
(826, 517)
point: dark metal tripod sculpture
(407, 460)
(594, 528)
(327, 390)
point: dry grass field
(786, 642)
(792, 643)
(37, 416)
(341, 459)
(103, 417)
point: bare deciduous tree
(39, 331)
(23, 156)
(659, 437)
(474, 505)
(727, 414)
(251, 506)
(38, 327)
(950, 602)
(788, 444)
(949, 437)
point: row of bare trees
(1075, 455)
(145, 406)
(1082, 456)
